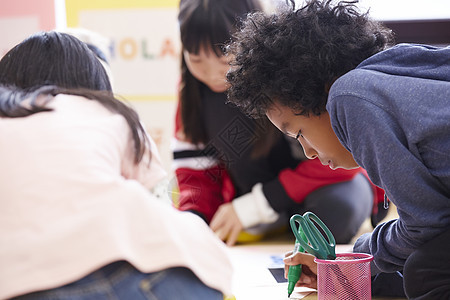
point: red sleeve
(203, 191)
(311, 175)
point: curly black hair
(293, 56)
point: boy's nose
(310, 153)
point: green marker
(295, 271)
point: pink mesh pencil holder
(347, 277)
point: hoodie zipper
(386, 202)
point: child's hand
(309, 268)
(226, 224)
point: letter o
(128, 48)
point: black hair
(293, 56)
(12, 98)
(53, 58)
(52, 63)
(205, 24)
(99, 53)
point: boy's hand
(226, 224)
(309, 268)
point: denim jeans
(120, 280)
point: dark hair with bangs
(53, 58)
(205, 24)
(294, 56)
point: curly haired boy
(330, 77)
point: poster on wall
(21, 18)
(143, 42)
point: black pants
(427, 270)
(426, 274)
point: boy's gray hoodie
(393, 114)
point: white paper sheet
(253, 280)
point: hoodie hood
(420, 61)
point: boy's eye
(299, 134)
